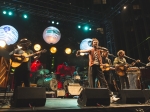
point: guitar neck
(30, 55)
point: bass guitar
(24, 58)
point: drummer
(41, 74)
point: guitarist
(108, 73)
(120, 66)
(22, 72)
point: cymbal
(43, 71)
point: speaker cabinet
(94, 97)
(29, 96)
(134, 96)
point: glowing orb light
(53, 50)
(2, 43)
(37, 47)
(51, 35)
(68, 50)
(9, 34)
(86, 44)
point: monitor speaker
(29, 96)
(94, 97)
(134, 96)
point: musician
(22, 72)
(94, 70)
(148, 64)
(107, 70)
(121, 65)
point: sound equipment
(94, 97)
(74, 88)
(29, 96)
(60, 93)
(145, 77)
(134, 96)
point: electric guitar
(23, 58)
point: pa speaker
(94, 97)
(29, 96)
(134, 96)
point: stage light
(4, 12)
(57, 23)
(37, 47)
(10, 13)
(53, 49)
(25, 16)
(2, 43)
(86, 28)
(53, 22)
(51, 35)
(68, 51)
(79, 26)
(124, 7)
(90, 29)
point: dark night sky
(130, 29)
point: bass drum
(51, 84)
(66, 83)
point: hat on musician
(24, 42)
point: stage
(70, 104)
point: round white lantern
(9, 34)
(51, 35)
(86, 44)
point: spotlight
(68, 51)
(10, 13)
(79, 26)
(2, 43)
(53, 22)
(53, 50)
(4, 12)
(25, 16)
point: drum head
(40, 82)
(65, 84)
(53, 84)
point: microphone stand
(133, 59)
(112, 55)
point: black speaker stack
(29, 96)
(99, 96)
(94, 97)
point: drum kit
(51, 82)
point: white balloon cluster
(8, 34)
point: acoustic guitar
(122, 68)
(107, 67)
(24, 58)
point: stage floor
(70, 104)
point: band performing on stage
(103, 72)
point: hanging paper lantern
(86, 44)
(9, 34)
(51, 35)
